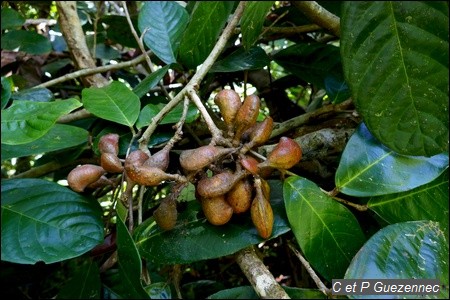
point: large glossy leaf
(312, 62)
(11, 19)
(114, 102)
(427, 202)
(58, 137)
(206, 22)
(415, 249)
(128, 259)
(26, 121)
(327, 232)
(166, 22)
(85, 282)
(195, 239)
(253, 59)
(43, 221)
(252, 21)
(395, 58)
(151, 110)
(150, 81)
(26, 41)
(367, 168)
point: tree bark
(76, 42)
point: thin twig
(333, 194)
(319, 15)
(310, 270)
(90, 71)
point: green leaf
(151, 110)
(119, 31)
(367, 168)
(206, 22)
(415, 249)
(26, 121)
(150, 81)
(159, 290)
(129, 261)
(252, 21)
(427, 202)
(11, 19)
(58, 137)
(6, 91)
(312, 62)
(43, 221)
(253, 59)
(395, 58)
(166, 22)
(195, 239)
(319, 222)
(114, 102)
(85, 283)
(34, 94)
(26, 41)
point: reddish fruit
(166, 214)
(259, 134)
(80, 177)
(250, 164)
(261, 212)
(217, 210)
(218, 184)
(135, 158)
(229, 103)
(159, 160)
(196, 159)
(240, 196)
(109, 143)
(286, 154)
(246, 117)
(111, 163)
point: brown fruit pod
(101, 182)
(218, 184)
(286, 154)
(250, 164)
(159, 160)
(261, 212)
(166, 214)
(80, 177)
(109, 143)
(229, 103)
(197, 159)
(259, 134)
(246, 117)
(148, 176)
(217, 210)
(135, 158)
(240, 196)
(111, 163)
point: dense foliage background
(362, 87)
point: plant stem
(319, 15)
(310, 271)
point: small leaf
(206, 22)
(6, 91)
(253, 59)
(395, 58)
(427, 202)
(151, 110)
(26, 121)
(367, 168)
(59, 137)
(26, 41)
(166, 22)
(11, 19)
(319, 222)
(252, 21)
(114, 102)
(85, 283)
(43, 221)
(150, 81)
(34, 94)
(195, 239)
(129, 261)
(416, 249)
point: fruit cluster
(236, 184)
